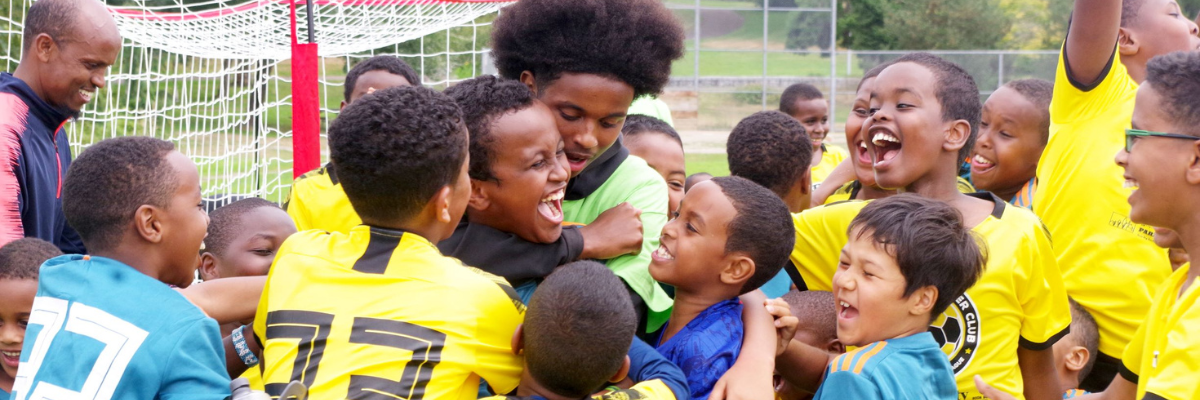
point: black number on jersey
(426, 346)
(312, 330)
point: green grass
(714, 164)
(717, 63)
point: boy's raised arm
(1090, 39)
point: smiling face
(907, 136)
(814, 115)
(185, 223)
(73, 67)
(691, 250)
(665, 155)
(1155, 166)
(528, 163)
(589, 110)
(252, 250)
(869, 292)
(1161, 28)
(1011, 139)
(16, 300)
(854, 128)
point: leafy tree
(921, 24)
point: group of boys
(447, 249)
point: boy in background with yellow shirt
(806, 104)
(1079, 196)
(925, 114)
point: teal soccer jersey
(100, 329)
(911, 367)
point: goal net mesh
(214, 77)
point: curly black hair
(578, 329)
(483, 100)
(931, 245)
(109, 181)
(395, 149)
(21, 258)
(770, 148)
(391, 64)
(797, 92)
(636, 125)
(1086, 333)
(633, 41)
(1176, 78)
(226, 222)
(762, 228)
(956, 91)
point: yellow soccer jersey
(850, 190)
(1019, 301)
(830, 158)
(648, 390)
(318, 202)
(383, 311)
(1161, 358)
(1081, 199)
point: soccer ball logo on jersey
(957, 331)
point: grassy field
(714, 164)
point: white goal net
(214, 76)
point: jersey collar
(597, 172)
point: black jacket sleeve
(509, 256)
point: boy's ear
(518, 340)
(921, 301)
(835, 346)
(146, 223)
(442, 203)
(1127, 43)
(738, 270)
(805, 182)
(529, 81)
(621, 373)
(957, 135)
(208, 267)
(479, 197)
(1193, 169)
(1076, 358)
(44, 47)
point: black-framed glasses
(1133, 134)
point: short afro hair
(929, 242)
(1176, 78)
(632, 41)
(391, 64)
(578, 329)
(770, 148)
(1130, 9)
(484, 100)
(21, 258)
(1038, 92)
(797, 92)
(1086, 334)
(55, 18)
(636, 125)
(956, 91)
(395, 149)
(109, 181)
(817, 311)
(762, 228)
(873, 73)
(226, 222)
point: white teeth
(884, 137)
(11, 353)
(557, 195)
(981, 160)
(663, 253)
(1131, 184)
(87, 96)
(862, 145)
(845, 304)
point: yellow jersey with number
(1161, 358)
(317, 201)
(1082, 199)
(382, 311)
(1019, 301)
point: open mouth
(1130, 183)
(863, 155)
(887, 145)
(845, 310)
(86, 95)
(662, 254)
(577, 161)
(980, 164)
(550, 207)
(11, 358)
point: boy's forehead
(707, 199)
(379, 79)
(906, 77)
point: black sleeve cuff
(1126, 373)
(1087, 87)
(572, 240)
(1031, 345)
(1152, 396)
